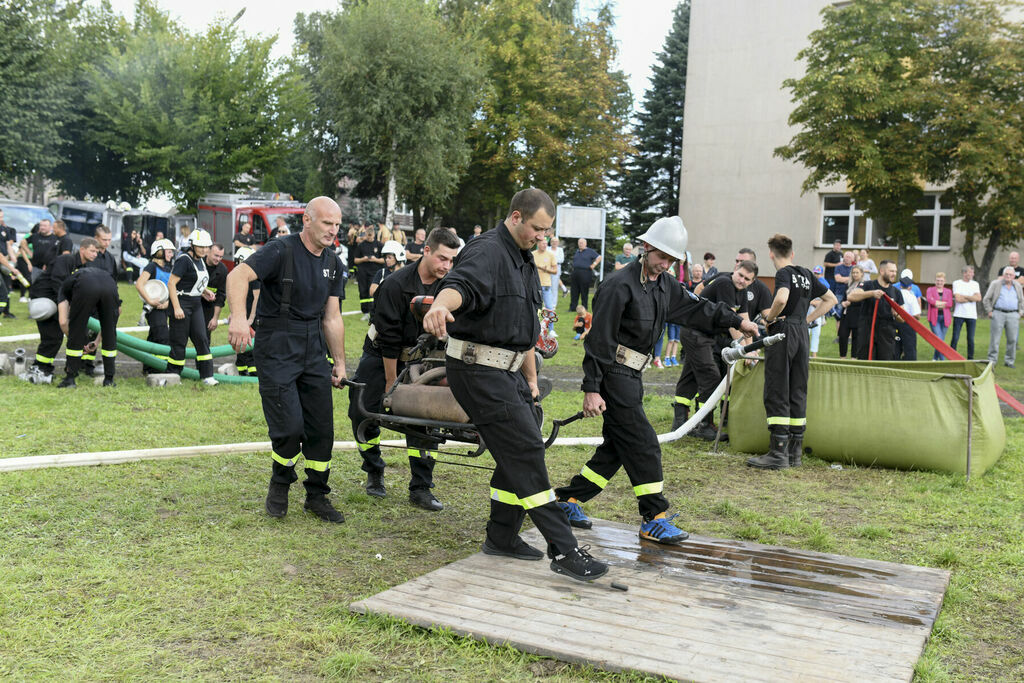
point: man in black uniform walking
(494, 290)
(630, 310)
(47, 286)
(786, 364)
(882, 345)
(213, 295)
(298, 320)
(367, 259)
(89, 291)
(393, 331)
(703, 368)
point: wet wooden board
(709, 609)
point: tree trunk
(981, 272)
(389, 216)
(417, 217)
(901, 256)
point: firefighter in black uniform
(39, 249)
(245, 364)
(393, 331)
(297, 312)
(630, 310)
(158, 268)
(89, 291)
(877, 315)
(786, 364)
(213, 295)
(185, 287)
(47, 287)
(367, 259)
(703, 367)
(106, 262)
(494, 292)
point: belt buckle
(620, 355)
(469, 353)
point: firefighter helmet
(200, 238)
(160, 245)
(667, 235)
(395, 249)
(243, 253)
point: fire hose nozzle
(734, 353)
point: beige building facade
(733, 191)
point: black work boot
(423, 498)
(579, 564)
(322, 508)
(776, 458)
(277, 500)
(375, 484)
(705, 430)
(681, 415)
(109, 382)
(796, 450)
(67, 382)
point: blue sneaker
(576, 337)
(574, 512)
(662, 530)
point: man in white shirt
(559, 258)
(966, 295)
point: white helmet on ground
(41, 308)
(394, 248)
(243, 253)
(667, 235)
(160, 245)
(200, 238)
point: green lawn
(170, 569)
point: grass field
(170, 569)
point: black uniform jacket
(105, 261)
(217, 284)
(397, 328)
(88, 277)
(49, 282)
(500, 292)
(633, 313)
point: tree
(553, 112)
(191, 114)
(863, 108)
(648, 181)
(396, 90)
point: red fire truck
(223, 214)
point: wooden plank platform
(709, 609)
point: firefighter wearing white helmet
(156, 299)
(631, 308)
(185, 285)
(394, 258)
(245, 361)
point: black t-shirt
(1018, 271)
(759, 298)
(65, 245)
(156, 272)
(396, 326)
(835, 257)
(413, 248)
(246, 238)
(50, 281)
(722, 290)
(218, 280)
(364, 249)
(91, 278)
(106, 262)
(7, 234)
(44, 249)
(311, 286)
(192, 273)
(885, 316)
(803, 286)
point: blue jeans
(550, 297)
(939, 329)
(657, 344)
(957, 323)
(673, 332)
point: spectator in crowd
(477, 231)
(814, 327)
(833, 259)
(696, 276)
(559, 253)
(581, 325)
(383, 234)
(709, 266)
(940, 310)
(39, 249)
(966, 295)
(462, 242)
(414, 249)
(849, 317)
(1017, 268)
(64, 243)
(367, 259)
(279, 224)
(584, 262)
(906, 346)
(866, 264)
(133, 255)
(626, 257)
(183, 237)
(546, 270)
(878, 315)
(672, 347)
(398, 235)
(1004, 304)
(842, 279)
(244, 236)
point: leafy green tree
(648, 181)
(395, 90)
(863, 108)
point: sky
(640, 26)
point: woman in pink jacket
(940, 310)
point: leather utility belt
(405, 355)
(472, 353)
(630, 358)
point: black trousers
(702, 369)
(906, 342)
(364, 278)
(159, 332)
(5, 293)
(849, 335)
(630, 442)
(295, 387)
(50, 339)
(421, 465)
(499, 404)
(22, 265)
(190, 327)
(207, 317)
(92, 300)
(885, 341)
(580, 282)
(785, 377)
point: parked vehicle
(22, 216)
(223, 215)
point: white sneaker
(23, 299)
(210, 382)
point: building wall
(733, 191)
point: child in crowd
(581, 326)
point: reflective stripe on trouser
(785, 379)
(295, 388)
(629, 442)
(50, 340)
(93, 296)
(191, 327)
(499, 405)
(527, 503)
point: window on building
(842, 220)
